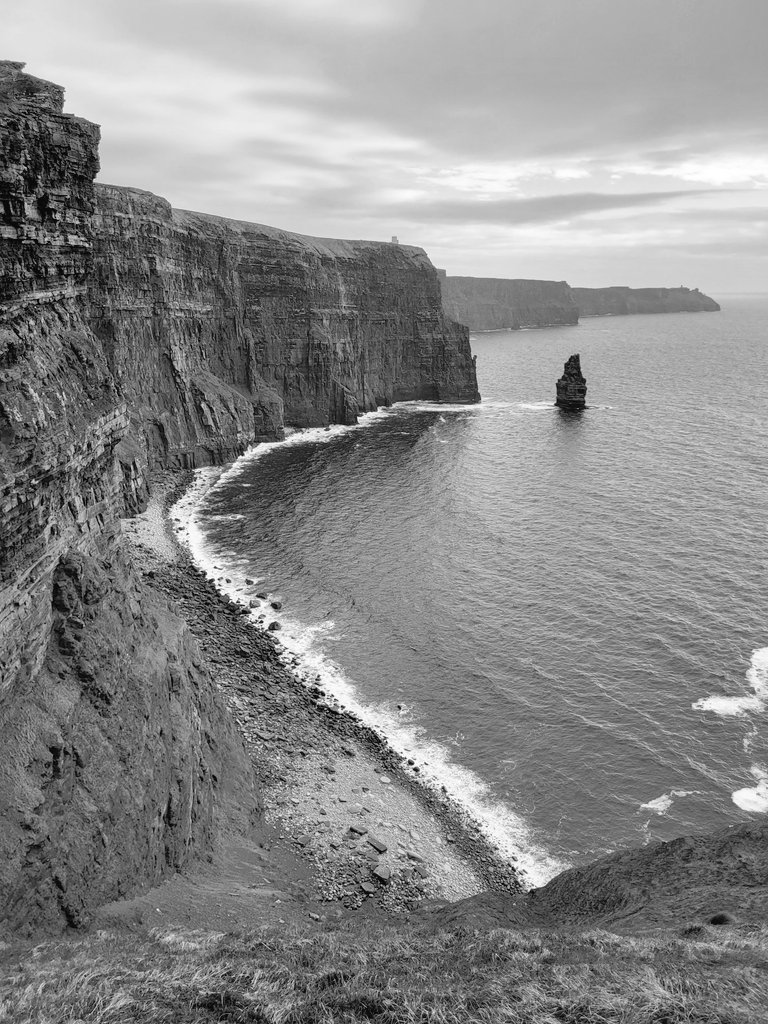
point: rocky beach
(347, 823)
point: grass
(399, 974)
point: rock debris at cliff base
(335, 796)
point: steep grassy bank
(399, 974)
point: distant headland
(493, 303)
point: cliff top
(17, 88)
(648, 288)
(343, 248)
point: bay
(562, 618)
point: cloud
(486, 120)
(537, 210)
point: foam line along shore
(314, 760)
(428, 763)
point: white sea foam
(750, 798)
(507, 831)
(663, 803)
(754, 798)
(728, 707)
(743, 703)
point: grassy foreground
(389, 973)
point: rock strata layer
(220, 331)
(572, 386)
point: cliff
(114, 744)
(219, 331)
(492, 304)
(621, 301)
(134, 339)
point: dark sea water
(562, 618)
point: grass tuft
(399, 974)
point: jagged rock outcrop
(136, 338)
(620, 301)
(682, 883)
(492, 304)
(572, 386)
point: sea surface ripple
(561, 618)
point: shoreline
(368, 830)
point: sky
(600, 142)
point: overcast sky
(597, 141)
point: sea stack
(572, 386)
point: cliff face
(114, 746)
(133, 337)
(621, 301)
(492, 304)
(218, 330)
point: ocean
(560, 618)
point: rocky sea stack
(572, 386)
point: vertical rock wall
(113, 747)
(60, 414)
(218, 328)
